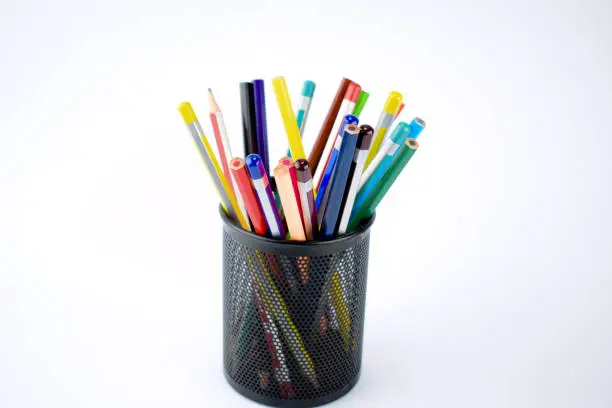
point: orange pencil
(289, 201)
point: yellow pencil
(286, 111)
(228, 199)
(392, 105)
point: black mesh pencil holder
(293, 315)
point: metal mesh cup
(293, 315)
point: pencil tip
(212, 103)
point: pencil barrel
(288, 343)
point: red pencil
(253, 208)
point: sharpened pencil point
(212, 103)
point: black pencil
(249, 122)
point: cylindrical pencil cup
(293, 315)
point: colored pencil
(331, 214)
(348, 104)
(253, 208)
(228, 199)
(389, 148)
(261, 185)
(249, 123)
(384, 122)
(259, 99)
(275, 346)
(224, 147)
(309, 211)
(286, 111)
(342, 312)
(366, 134)
(323, 188)
(288, 196)
(361, 101)
(277, 304)
(375, 195)
(288, 162)
(399, 110)
(307, 93)
(328, 123)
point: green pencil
(361, 101)
(380, 189)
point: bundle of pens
(295, 313)
(353, 166)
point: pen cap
(393, 102)
(308, 89)
(187, 113)
(352, 93)
(255, 166)
(400, 133)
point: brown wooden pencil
(328, 123)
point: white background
(490, 272)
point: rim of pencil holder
(296, 248)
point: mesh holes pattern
(293, 326)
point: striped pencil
(304, 177)
(308, 90)
(261, 185)
(224, 147)
(322, 189)
(375, 195)
(331, 214)
(384, 122)
(389, 149)
(253, 208)
(366, 133)
(347, 107)
(228, 199)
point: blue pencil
(337, 189)
(322, 193)
(259, 99)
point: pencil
(253, 208)
(323, 187)
(309, 211)
(331, 214)
(228, 199)
(328, 123)
(384, 122)
(374, 196)
(361, 101)
(288, 162)
(277, 304)
(389, 148)
(224, 147)
(348, 104)
(287, 194)
(399, 110)
(261, 185)
(366, 133)
(249, 124)
(308, 90)
(275, 346)
(286, 111)
(259, 99)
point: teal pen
(385, 156)
(388, 150)
(301, 115)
